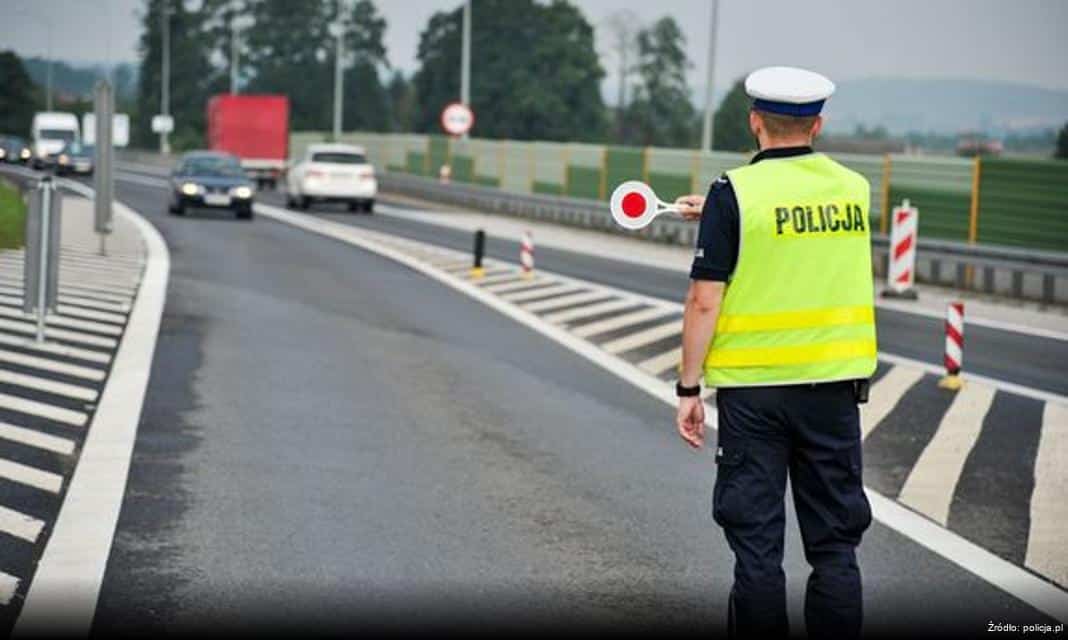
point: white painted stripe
(61, 321)
(563, 317)
(20, 525)
(663, 362)
(67, 310)
(618, 322)
(30, 476)
(54, 366)
(8, 586)
(56, 349)
(933, 479)
(556, 289)
(37, 439)
(57, 334)
(76, 262)
(71, 568)
(884, 396)
(42, 410)
(1047, 540)
(563, 301)
(641, 338)
(507, 274)
(87, 278)
(75, 295)
(536, 281)
(48, 386)
(1002, 574)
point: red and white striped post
(901, 270)
(954, 356)
(526, 254)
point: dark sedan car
(75, 157)
(211, 179)
(14, 149)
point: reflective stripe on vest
(799, 306)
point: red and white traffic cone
(954, 356)
(901, 270)
(526, 254)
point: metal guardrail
(1018, 273)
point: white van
(51, 131)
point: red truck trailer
(254, 128)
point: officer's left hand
(690, 207)
(691, 421)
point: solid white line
(30, 476)
(20, 525)
(587, 297)
(563, 317)
(641, 338)
(618, 322)
(59, 334)
(42, 410)
(663, 362)
(884, 396)
(989, 323)
(933, 479)
(62, 598)
(516, 297)
(1002, 574)
(99, 357)
(61, 321)
(54, 366)
(48, 386)
(37, 439)
(1047, 542)
(8, 585)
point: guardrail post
(566, 158)
(479, 249)
(695, 163)
(41, 258)
(884, 211)
(103, 185)
(602, 187)
(973, 216)
(645, 165)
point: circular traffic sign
(634, 205)
(457, 118)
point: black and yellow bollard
(480, 247)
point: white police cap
(788, 90)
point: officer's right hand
(691, 421)
(690, 206)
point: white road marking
(516, 286)
(37, 439)
(20, 525)
(48, 386)
(884, 396)
(54, 366)
(30, 476)
(563, 317)
(663, 362)
(8, 586)
(642, 338)
(74, 295)
(506, 275)
(61, 321)
(1047, 540)
(516, 297)
(618, 322)
(933, 479)
(1002, 574)
(42, 410)
(71, 568)
(56, 349)
(563, 301)
(59, 334)
(67, 310)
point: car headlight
(25, 153)
(190, 188)
(63, 158)
(3, 152)
(242, 192)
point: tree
(534, 71)
(17, 100)
(661, 112)
(1062, 143)
(732, 121)
(402, 106)
(621, 24)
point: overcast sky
(1020, 40)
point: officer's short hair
(778, 124)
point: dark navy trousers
(812, 432)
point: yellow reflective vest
(799, 306)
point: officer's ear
(817, 126)
(756, 125)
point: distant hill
(73, 81)
(945, 105)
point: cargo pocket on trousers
(728, 501)
(858, 509)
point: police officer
(779, 319)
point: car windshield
(211, 166)
(339, 157)
(65, 135)
(80, 149)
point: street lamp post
(465, 58)
(339, 77)
(706, 130)
(165, 76)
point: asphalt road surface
(330, 439)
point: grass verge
(12, 216)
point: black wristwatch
(687, 392)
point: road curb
(63, 595)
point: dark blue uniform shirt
(717, 238)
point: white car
(52, 130)
(332, 173)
